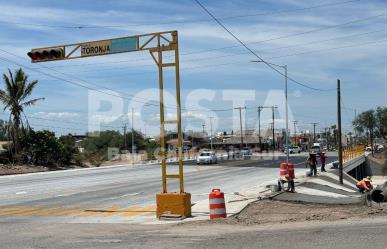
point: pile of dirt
(274, 212)
(9, 169)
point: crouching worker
(364, 185)
(286, 179)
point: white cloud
(55, 115)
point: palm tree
(15, 98)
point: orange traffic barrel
(291, 170)
(284, 169)
(217, 205)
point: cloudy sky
(319, 41)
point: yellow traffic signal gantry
(175, 203)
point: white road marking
(21, 193)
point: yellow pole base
(178, 204)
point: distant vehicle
(294, 149)
(245, 151)
(206, 157)
(316, 148)
(377, 148)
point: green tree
(15, 98)
(96, 145)
(3, 130)
(366, 122)
(381, 121)
(70, 154)
(43, 148)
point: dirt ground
(378, 157)
(8, 169)
(20, 169)
(275, 212)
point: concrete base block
(176, 204)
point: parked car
(294, 149)
(245, 151)
(206, 157)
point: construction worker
(323, 157)
(312, 163)
(286, 179)
(365, 185)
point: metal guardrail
(352, 152)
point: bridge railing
(352, 152)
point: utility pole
(245, 130)
(285, 67)
(132, 137)
(259, 108)
(240, 122)
(259, 127)
(295, 131)
(125, 143)
(287, 115)
(339, 132)
(211, 130)
(314, 131)
(272, 110)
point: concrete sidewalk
(324, 188)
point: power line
(329, 49)
(295, 34)
(97, 90)
(64, 121)
(255, 54)
(83, 26)
(256, 42)
(71, 76)
(223, 56)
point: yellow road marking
(68, 211)
(139, 211)
(6, 211)
(83, 212)
(17, 211)
(47, 211)
(26, 211)
(114, 211)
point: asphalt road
(345, 234)
(125, 193)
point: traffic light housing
(47, 54)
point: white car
(294, 149)
(245, 151)
(206, 157)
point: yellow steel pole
(178, 104)
(162, 130)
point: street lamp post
(285, 67)
(211, 130)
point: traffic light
(48, 54)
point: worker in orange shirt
(364, 185)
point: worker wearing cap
(312, 163)
(364, 185)
(286, 179)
